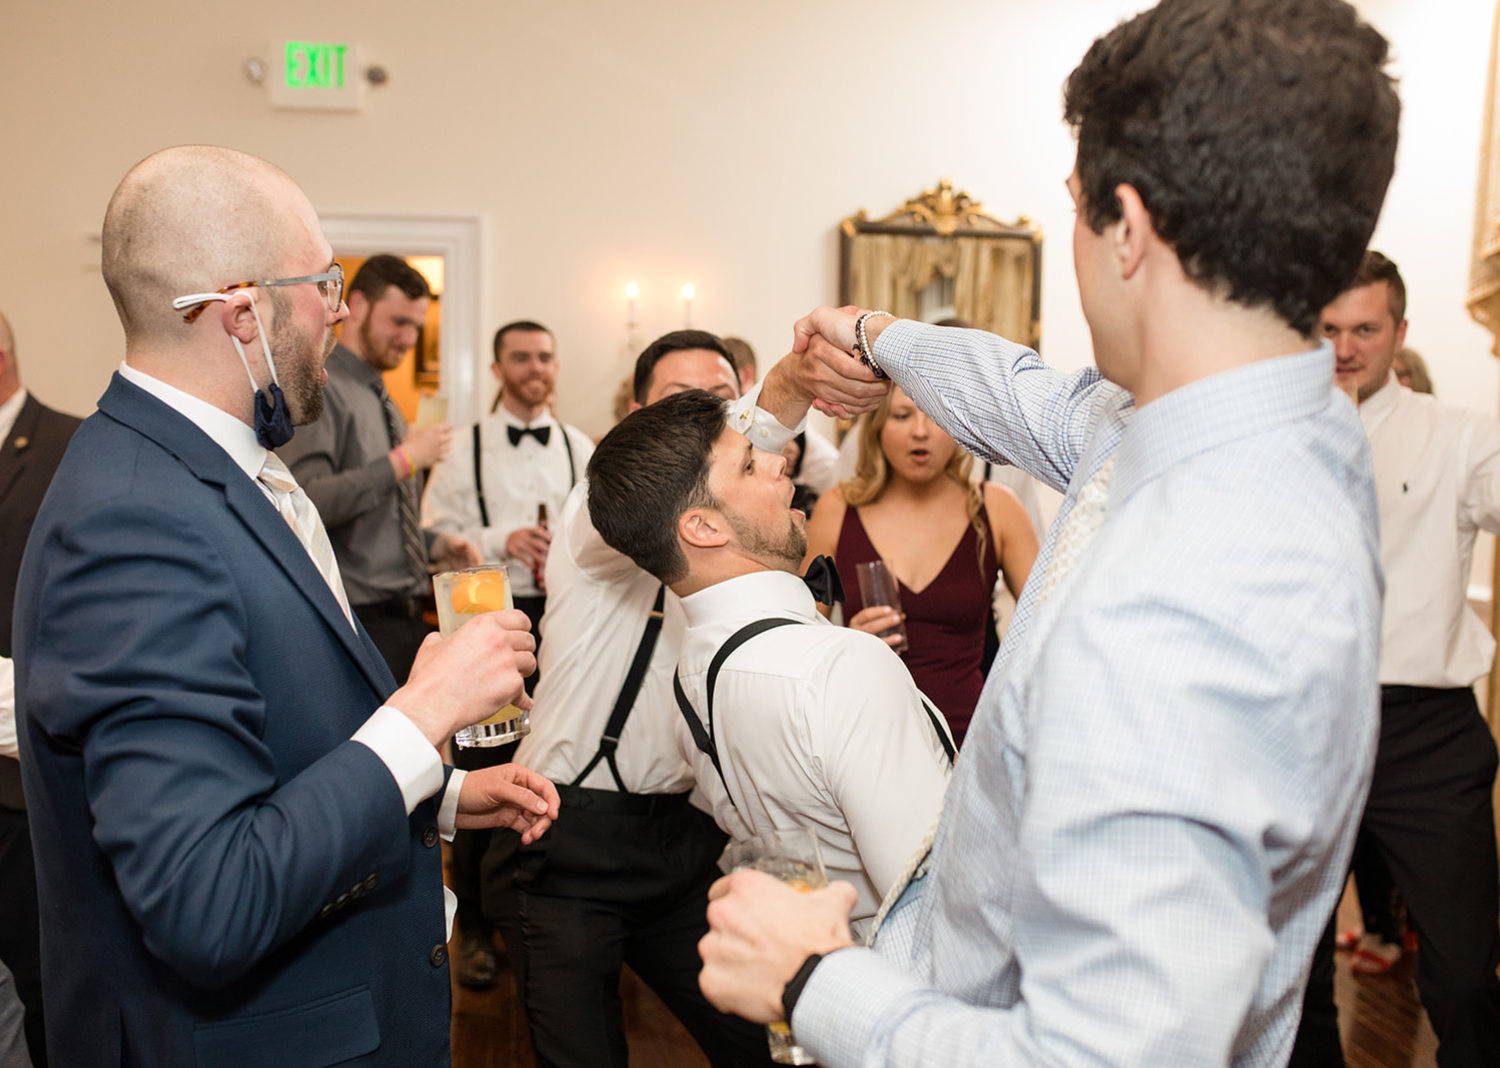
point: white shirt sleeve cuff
(448, 810)
(762, 428)
(848, 1004)
(405, 750)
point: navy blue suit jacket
(225, 878)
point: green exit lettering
(314, 66)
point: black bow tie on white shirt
(542, 434)
(822, 579)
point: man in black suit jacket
(33, 447)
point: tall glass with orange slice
(793, 856)
(462, 595)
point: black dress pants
(398, 630)
(618, 879)
(1431, 816)
(20, 935)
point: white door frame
(457, 239)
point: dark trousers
(1376, 889)
(602, 889)
(1430, 814)
(20, 945)
(469, 847)
(398, 630)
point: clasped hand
(839, 384)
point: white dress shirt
(10, 410)
(517, 478)
(1153, 813)
(8, 746)
(1437, 477)
(817, 726)
(597, 606)
(396, 740)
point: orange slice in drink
(483, 591)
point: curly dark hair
(1260, 135)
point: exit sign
(317, 75)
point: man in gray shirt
(362, 467)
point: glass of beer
(462, 595)
(793, 857)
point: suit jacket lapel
(177, 434)
(12, 455)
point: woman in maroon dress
(912, 504)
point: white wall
(660, 141)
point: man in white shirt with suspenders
(789, 721)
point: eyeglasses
(330, 285)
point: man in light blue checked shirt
(1153, 814)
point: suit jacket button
(340, 901)
(326, 911)
(356, 891)
(371, 882)
(438, 956)
(430, 837)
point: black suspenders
(628, 693)
(484, 512)
(704, 738)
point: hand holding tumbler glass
(878, 586)
(462, 595)
(794, 858)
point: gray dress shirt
(341, 461)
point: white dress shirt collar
(9, 411)
(1374, 409)
(230, 434)
(759, 594)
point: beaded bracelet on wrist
(862, 343)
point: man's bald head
(194, 219)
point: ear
(238, 319)
(635, 406)
(1401, 336)
(703, 528)
(1133, 232)
(495, 370)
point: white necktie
(1078, 531)
(298, 511)
(1082, 524)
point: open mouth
(920, 455)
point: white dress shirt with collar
(1152, 816)
(598, 602)
(517, 478)
(396, 740)
(817, 726)
(1437, 477)
(10, 410)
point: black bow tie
(822, 579)
(542, 434)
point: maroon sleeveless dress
(945, 623)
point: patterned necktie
(1082, 524)
(406, 493)
(298, 511)
(1078, 531)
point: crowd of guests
(1242, 647)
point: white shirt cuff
(8, 745)
(762, 428)
(448, 810)
(405, 750)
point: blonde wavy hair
(872, 473)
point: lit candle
(630, 293)
(687, 304)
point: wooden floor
(1381, 1021)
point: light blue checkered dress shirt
(1151, 818)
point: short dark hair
(381, 271)
(647, 471)
(676, 341)
(1260, 135)
(1375, 267)
(744, 355)
(523, 325)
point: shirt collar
(230, 434)
(345, 360)
(1218, 409)
(9, 411)
(757, 595)
(1374, 409)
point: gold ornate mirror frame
(946, 238)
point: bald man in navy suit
(238, 817)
